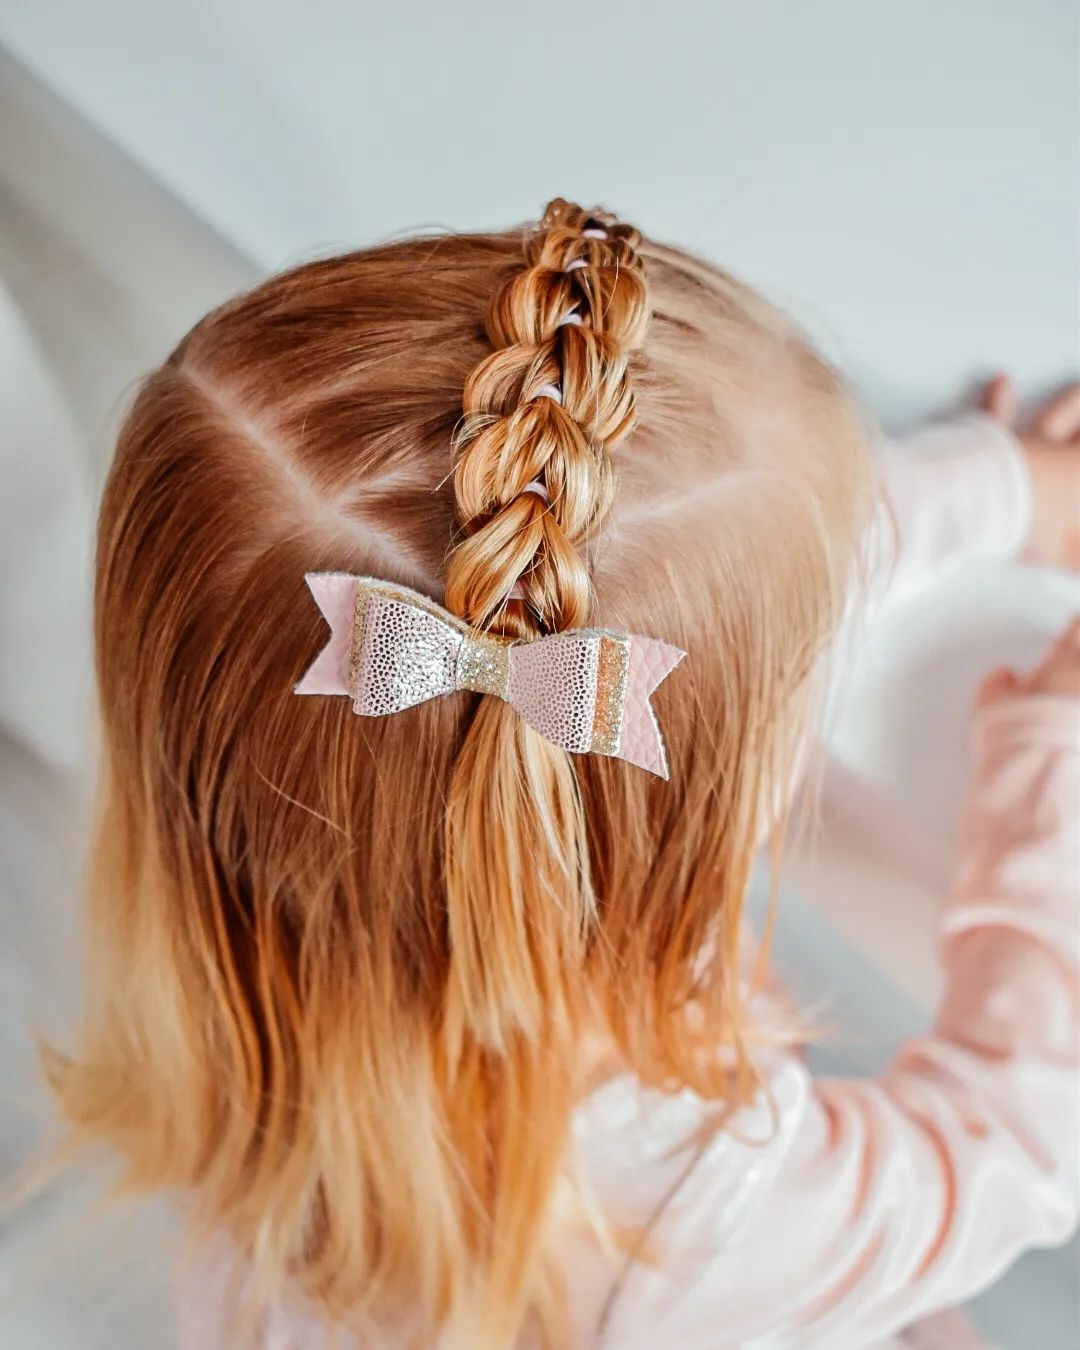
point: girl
(429, 999)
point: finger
(996, 685)
(1070, 637)
(998, 398)
(1064, 649)
(1059, 418)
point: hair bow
(585, 690)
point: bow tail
(335, 595)
(640, 742)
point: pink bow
(586, 690)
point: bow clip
(586, 690)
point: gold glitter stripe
(483, 665)
(362, 594)
(612, 673)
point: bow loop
(553, 687)
(402, 655)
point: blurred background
(903, 177)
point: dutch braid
(532, 478)
(542, 414)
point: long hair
(343, 971)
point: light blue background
(903, 175)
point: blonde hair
(342, 969)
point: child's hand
(1051, 441)
(1057, 673)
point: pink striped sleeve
(910, 1193)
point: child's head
(345, 967)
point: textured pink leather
(408, 653)
(553, 686)
(335, 594)
(651, 662)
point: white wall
(903, 172)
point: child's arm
(957, 490)
(909, 1193)
(981, 486)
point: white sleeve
(956, 491)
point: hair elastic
(517, 590)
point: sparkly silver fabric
(403, 655)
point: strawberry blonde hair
(345, 971)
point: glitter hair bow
(585, 690)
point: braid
(542, 414)
(532, 478)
